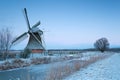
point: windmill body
(35, 43)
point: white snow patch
(107, 69)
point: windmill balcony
(37, 50)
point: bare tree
(5, 41)
(101, 44)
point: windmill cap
(34, 30)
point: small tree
(5, 41)
(101, 44)
(25, 54)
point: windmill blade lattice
(37, 24)
(26, 17)
(20, 38)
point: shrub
(17, 63)
(71, 52)
(12, 55)
(25, 54)
(50, 54)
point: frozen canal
(13, 74)
(35, 72)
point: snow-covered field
(107, 69)
(41, 71)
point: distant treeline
(90, 49)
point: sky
(67, 24)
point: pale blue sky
(67, 23)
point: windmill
(35, 43)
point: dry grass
(40, 60)
(17, 63)
(56, 73)
(60, 71)
(77, 66)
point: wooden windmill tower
(35, 43)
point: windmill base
(37, 50)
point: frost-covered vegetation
(107, 69)
(55, 66)
(16, 63)
(62, 70)
(102, 44)
(20, 62)
(5, 42)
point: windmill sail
(35, 39)
(37, 24)
(20, 38)
(27, 18)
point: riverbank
(107, 69)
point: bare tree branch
(101, 44)
(5, 41)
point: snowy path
(107, 69)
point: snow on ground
(107, 69)
(57, 57)
(39, 72)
